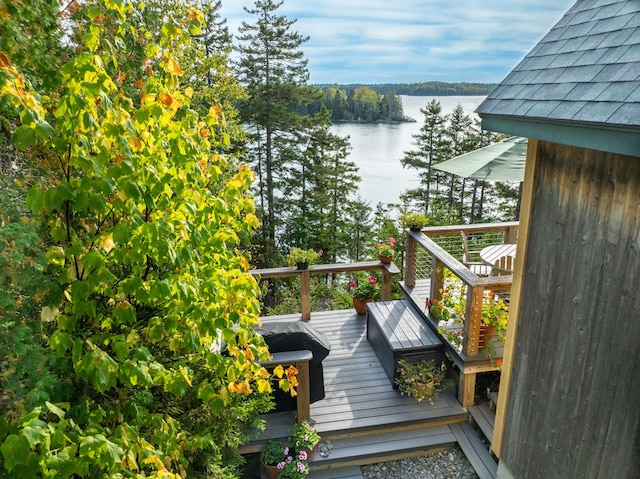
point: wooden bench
(396, 330)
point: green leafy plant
(146, 222)
(299, 255)
(304, 437)
(386, 249)
(274, 452)
(364, 290)
(413, 219)
(451, 309)
(420, 380)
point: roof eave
(611, 138)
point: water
(378, 147)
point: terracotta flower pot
(360, 305)
(270, 471)
(386, 259)
(486, 334)
(311, 453)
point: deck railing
(426, 257)
(438, 259)
(388, 270)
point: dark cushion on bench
(282, 336)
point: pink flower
(302, 456)
(280, 465)
(300, 467)
(286, 450)
(352, 285)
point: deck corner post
(467, 389)
(304, 395)
(472, 320)
(412, 258)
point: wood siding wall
(574, 398)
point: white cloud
(372, 41)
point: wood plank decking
(359, 397)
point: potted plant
(302, 258)
(450, 312)
(305, 438)
(413, 220)
(362, 292)
(385, 250)
(420, 380)
(294, 467)
(273, 454)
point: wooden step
(484, 417)
(475, 450)
(493, 400)
(390, 446)
(349, 472)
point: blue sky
(387, 41)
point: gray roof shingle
(586, 69)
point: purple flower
(280, 465)
(286, 450)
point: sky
(409, 41)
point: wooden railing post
(437, 280)
(511, 235)
(305, 295)
(385, 291)
(412, 259)
(300, 360)
(473, 319)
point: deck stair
(484, 418)
(390, 446)
(476, 450)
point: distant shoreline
(420, 89)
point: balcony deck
(361, 410)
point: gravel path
(450, 464)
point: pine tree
(430, 150)
(274, 71)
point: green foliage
(273, 452)
(30, 38)
(299, 255)
(360, 104)
(146, 219)
(419, 380)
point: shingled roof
(583, 76)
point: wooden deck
(364, 418)
(359, 397)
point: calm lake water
(377, 148)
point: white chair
(479, 268)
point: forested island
(382, 103)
